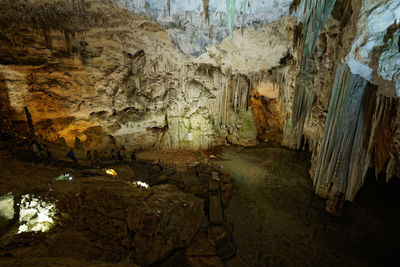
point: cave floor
(278, 221)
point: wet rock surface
(279, 221)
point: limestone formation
(123, 86)
(358, 123)
(105, 220)
(168, 75)
(193, 25)
(127, 81)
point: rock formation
(193, 25)
(342, 48)
(123, 83)
(100, 219)
(170, 75)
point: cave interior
(199, 132)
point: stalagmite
(30, 123)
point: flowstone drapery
(357, 136)
(312, 17)
(344, 117)
(359, 123)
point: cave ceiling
(187, 24)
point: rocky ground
(105, 220)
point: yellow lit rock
(111, 172)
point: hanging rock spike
(230, 13)
(147, 8)
(206, 10)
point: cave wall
(345, 95)
(122, 82)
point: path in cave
(278, 221)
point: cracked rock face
(124, 84)
(101, 76)
(148, 223)
(372, 27)
(194, 24)
(102, 220)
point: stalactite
(73, 6)
(147, 8)
(392, 167)
(314, 15)
(155, 14)
(380, 139)
(242, 13)
(256, 25)
(236, 95)
(344, 115)
(83, 7)
(302, 103)
(357, 134)
(206, 10)
(230, 12)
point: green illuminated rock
(230, 13)
(6, 212)
(248, 131)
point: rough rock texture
(94, 81)
(100, 219)
(124, 84)
(373, 24)
(201, 245)
(194, 24)
(7, 212)
(356, 129)
(151, 223)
